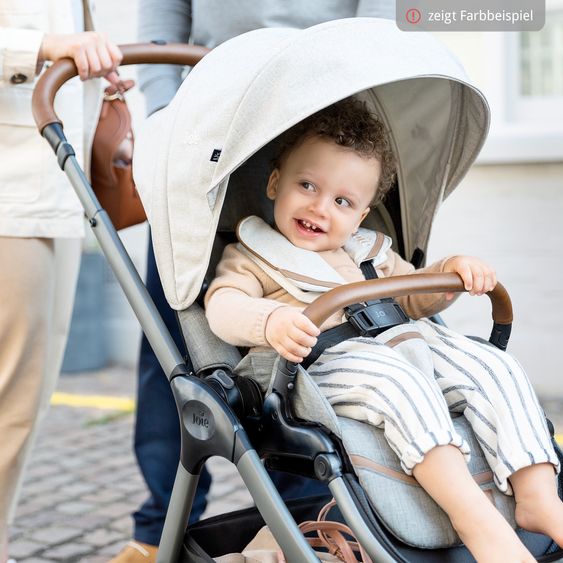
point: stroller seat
(398, 510)
(398, 507)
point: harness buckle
(374, 317)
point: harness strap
(339, 333)
(329, 338)
(368, 270)
(359, 321)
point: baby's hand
(478, 277)
(291, 333)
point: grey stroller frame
(209, 424)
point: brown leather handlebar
(336, 299)
(64, 69)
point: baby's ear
(364, 215)
(272, 188)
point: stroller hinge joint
(327, 467)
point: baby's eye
(342, 202)
(308, 186)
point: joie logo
(198, 420)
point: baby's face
(322, 192)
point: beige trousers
(37, 283)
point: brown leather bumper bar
(397, 286)
(140, 53)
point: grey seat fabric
(404, 507)
(207, 351)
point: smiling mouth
(309, 227)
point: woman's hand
(290, 333)
(478, 277)
(93, 53)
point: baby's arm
(477, 276)
(291, 333)
(238, 318)
(238, 313)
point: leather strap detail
(402, 338)
(366, 463)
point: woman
(41, 220)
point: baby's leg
(492, 391)
(444, 475)
(538, 506)
(367, 381)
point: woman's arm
(23, 52)
(170, 21)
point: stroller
(201, 164)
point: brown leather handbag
(110, 169)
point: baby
(331, 168)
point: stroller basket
(210, 425)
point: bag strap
(88, 17)
(116, 91)
(330, 535)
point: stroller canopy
(252, 88)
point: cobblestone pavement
(83, 482)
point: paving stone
(14, 532)
(101, 538)
(48, 499)
(102, 496)
(71, 462)
(39, 470)
(124, 524)
(24, 548)
(67, 550)
(78, 489)
(60, 479)
(115, 509)
(42, 486)
(86, 522)
(75, 507)
(38, 520)
(112, 549)
(55, 534)
(38, 560)
(131, 486)
(24, 510)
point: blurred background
(508, 210)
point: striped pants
(408, 379)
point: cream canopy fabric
(252, 88)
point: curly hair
(350, 124)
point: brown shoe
(136, 552)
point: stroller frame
(227, 438)
(209, 425)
